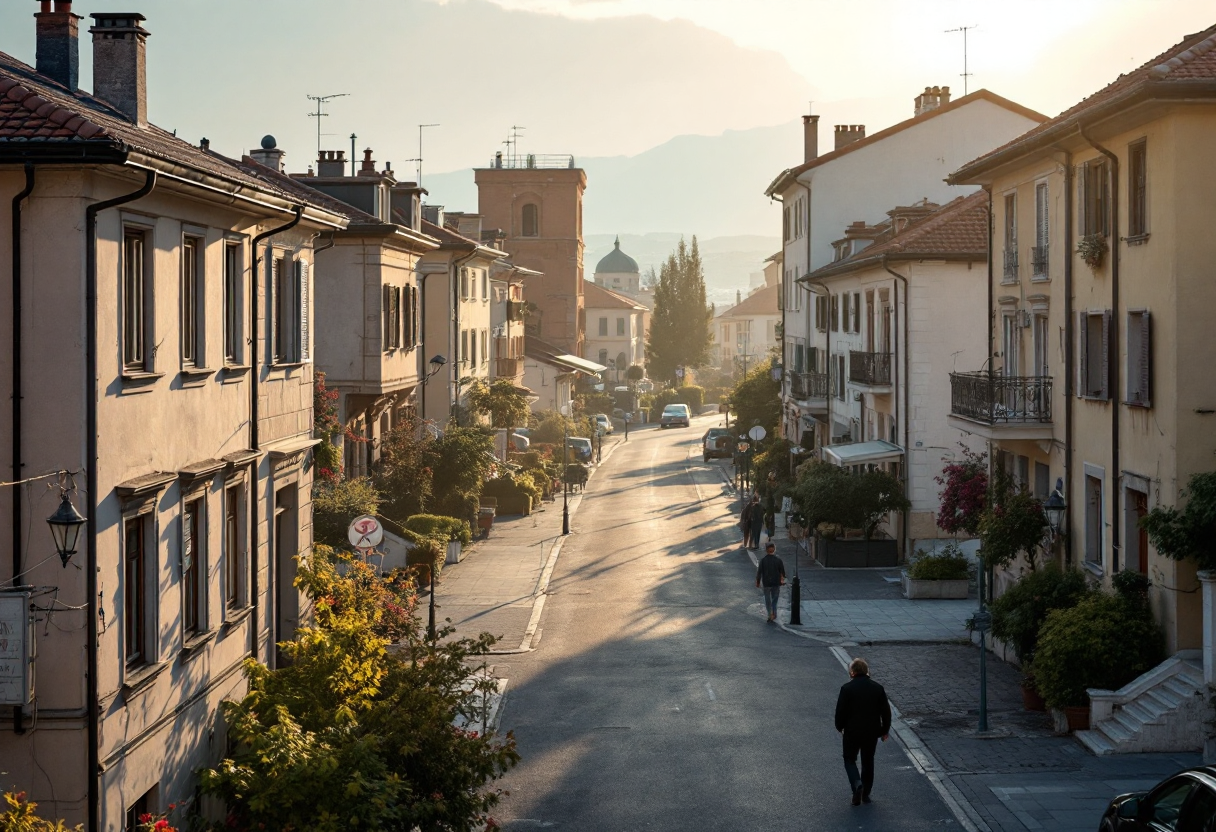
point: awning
(863, 453)
(580, 364)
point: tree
(501, 401)
(635, 372)
(756, 399)
(402, 475)
(827, 493)
(1189, 532)
(1013, 522)
(465, 457)
(351, 735)
(336, 504)
(681, 326)
(964, 493)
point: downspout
(254, 439)
(905, 378)
(422, 339)
(18, 462)
(988, 362)
(1113, 351)
(1069, 356)
(92, 496)
(810, 298)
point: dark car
(580, 448)
(1185, 802)
(717, 443)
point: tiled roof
(447, 237)
(597, 297)
(37, 113)
(958, 230)
(782, 181)
(1177, 70)
(761, 302)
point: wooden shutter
(1041, 208)
(835, 313)
(1146, 359)
(1082, 354)
(304, 334)
(1082, 207)
(273, 289)
(414, 313)
(1106, 362)
(857, 311)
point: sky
(600, 77)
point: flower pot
(1033, 701)
(1078, 718)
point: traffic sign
(365, 532)
(757, 433)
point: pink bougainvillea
(964, 493)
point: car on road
(1186, 801)
(602, 422)
(717, 443)
(675, 414)
(580, 448)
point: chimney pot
(269, 154)
(58, 44)
(120, 76)
(810, 138)
(369, 166)
(331, 163)
(846, 134)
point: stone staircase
(1166, 709)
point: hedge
(443, 528)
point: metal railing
(1001, 400)
(529, 161)
(1011, 265)
(870, 368)
(1038, 261)
(809, 385)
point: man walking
(755, 522)
(863, 714)
(770, 573)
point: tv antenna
(966, 74)
(421, 127)
(512, 144)
(320, 113)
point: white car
(602, 422)
(675, 414)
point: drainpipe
(93, 497)
(809, 317)
(254, 439)
(904, 376)
(18, 462)
(1069, 357)
(1113, 354)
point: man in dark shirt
(755, 522)
(771, 573)
(863, 714)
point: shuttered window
(303, 328)
(531, 220)
(192, 302)
(233, 306)
(134, 301)
(1137, 190)
(392, 317)
(192, 586)
(1139, 359)
(1042, 232)
(1093, 365)
(835, 313)
(856, 312)
(1093, 183)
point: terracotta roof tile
(761, 302)
(597, 297)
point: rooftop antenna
(966, 74)
(513, 143)
(421, 127)
(320, 113)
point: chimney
(810, 138)
(58, 43)
(931, 99)
(738, 297)
(433, 214)
(945, 98)
(269, 154)
(406, 199)
(369, 167)
(846, 134)
(120, 75)
(332, 163)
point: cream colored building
(750, 330)
(616, 336)
(163, 310)
(1102, 374)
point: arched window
(531, 220)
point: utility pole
(421, 127)
(320, 113)
(966, 74)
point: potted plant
(1093, 248)
(828, 494)
(939, 574)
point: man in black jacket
(863, 714)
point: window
(1041, 346)
(485, 285)
(464, 284)
(1137, 190)
(1139, 359)
(1041, 232)
(603, 326)
(1011, 343)
(844, 312)
(1042, 481)
(835, 313)
(143, 806)
(134, 591)
(1094, 355)
(233, 306)
(485, 346)
(821, 313)
(192, 302)
(192, 568)
(1010, 273)
(604, 357)
(464, 345)
(620, 326)
(135, 301)
(1021, 471)
(840, 377)
(234, 548)
(392, 317)
(411, 317)
(856, 312)
(531, 220)
(473, 347)
(291, 335)
(1167, 802)
(1094, 185)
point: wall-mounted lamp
(65, 526)
(1055, 507)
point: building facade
(615, 331)
(749, 331)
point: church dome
(617, 262)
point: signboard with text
(16, 637)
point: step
(1128, 720)
(1166, 697)
(1180, 688)
(1147, 710)
(1096, 742)
(1117, 732)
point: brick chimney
(58, 43)
(846, 134)
(369, 167)
(810, 138)
(120, 76)
(931, 99)
(332, 163)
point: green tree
(351, 735)
(327, 427)
(826, 493)
(1012, 522)
(756, 399)
(681, 327)
(464, 457)
(501, 401)
(635, 372)
(403, 475)
(20, 815)
(1189, 532)
(336, 504)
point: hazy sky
(601, 77)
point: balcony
(870, 369)
(810, 390)
(508, 367)
(1001, 407)
(1010, 274)
(1038, 263)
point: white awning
(863, 453)
(580, 364)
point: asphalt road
(658, 698)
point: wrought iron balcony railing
(1001, 400)
(809, 385)
(870, 368)
(1010, 275)
(1038, 261)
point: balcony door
(1040, 346)
(1011, 344)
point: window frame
(1137, 189)
(391, 316)
(290, 305)
(530, 220)
(1009, 273)
(235, 546)
(620, 327)
(1093, 183)
(603, 326)
(192, 307)
(135, 591)
(193, 566)
(137, 281)
(1040, 266)
(234, 302)
(1139, 365)
(1084, 368)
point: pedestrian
(755, 522)
(770, 573)
(863, 715)
(745, 520)
(770, 505)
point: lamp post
(437, 363)
(1055, 507)
(565, 411)
(65, 526)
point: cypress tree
(680, 326)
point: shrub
(1189, 533)
(948, 564)
(1013, 523)
(549, 427)
(443, 528)
(576, 473)
(1132, 585)
(826, 493)
(1018, 615)
(964, 493)
(1103, 642)
(692, 395)
(514, 497)
(336, 503)
(425, 551)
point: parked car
(675, 414)
(602, 422)
(580, 448)
(1185, 801)
(717, 443)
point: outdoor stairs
(1166, 709)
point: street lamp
(565, 411)
(65, 526)
(436, 364)
(1055, 507)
